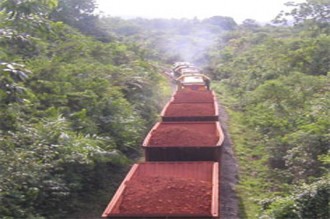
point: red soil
(190, 109)
(166, 196)
(185, 96)
(184, 134)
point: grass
(251, 156)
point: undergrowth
(251, 156)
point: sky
(259, 10)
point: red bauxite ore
(185, 96)
(161, 195)
(184, 134)
(190, 109)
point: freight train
(180, 177)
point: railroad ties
(180, 175)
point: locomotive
(180, 177)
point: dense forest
(78, 93)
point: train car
(181, 68)
(180, 178)
(167, 190)
(183, 141)
(190, 70)
(193, 81)
(193, 96)
(190, 111)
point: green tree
(24, 9)
(307, 201)
(313, 14)
(27, 14)
(78, 14)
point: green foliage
(255, 182)
(18, 9)
(38, 158)
(11, 88)
(79, 113)
(226, 23)
(308, 201)
(315, 11)
(27, 16)
(70, 11)
(279, 77)
(79, 14)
